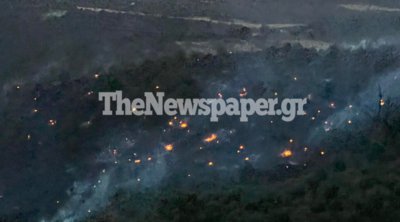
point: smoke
(362, 111)
(119, 173)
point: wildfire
(169, 147)
(286, 154)
(211, 138)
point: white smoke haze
(367, 7)
(362, 111)
(90, 196)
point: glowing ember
(169, 147)
(138, 161)
(52, 122)
(241, 147)
(211, 138)
(286, 154)
(381, 102)
(183, 125)
(243, 92)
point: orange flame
(183, 125)
(286, 154)
(169, 147)
(211, 138)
